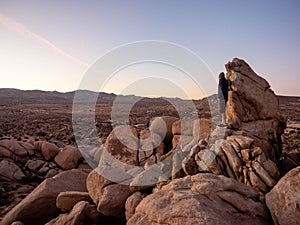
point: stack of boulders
(180, 171)
(22, 160)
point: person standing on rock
(223, 97)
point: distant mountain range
(289, 106)
(15, 96)
(9, 96)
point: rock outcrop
(41, 202)
(250, 149)
(201, 199)
(253, 108)
(283, 200)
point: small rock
(11, 171)
(66, 200)
(34, 165)
(49, 150)
(68, 158)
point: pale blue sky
(49, 45)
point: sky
(51, 45)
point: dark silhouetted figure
(223, 97)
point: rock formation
(201, 199)
(250, 150)
(173, 172)
(253, 108)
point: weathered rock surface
(151, 147)
(34, 165)
(132, 202)
(41, 202)
(253, 107)
(283, 200)
(49, 150)
(109, 197)
(69, 158)
(10, 171)
(66, 200)
(13, 150)
(122, 144)
(189, 132)
(163, 127)
(202, 199)
(238, 158)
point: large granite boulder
(283, 200)
(253, 108)
(40, 205)
(201, 199)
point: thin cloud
(13, 25)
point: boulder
(151, 147)
(41, 202)
(180, 141)
(122, 144)
(14, 147)
(253, 108)
(202, 199)
(110, 197)
(163, 127)
(132, 202)
(66, 200)
(183, 127)
(186, 131)
(283, 200)
(237, 157)
(49, 150)
(28, 147)
(10, 171)
(253, 97)
(202, 128)
(38, 145)
(69, 158)
(82, 213)
(147, 178)
(34, 165)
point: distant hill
(289, 106)
(15, 96)
(10, 96)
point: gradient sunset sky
(49, 45)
